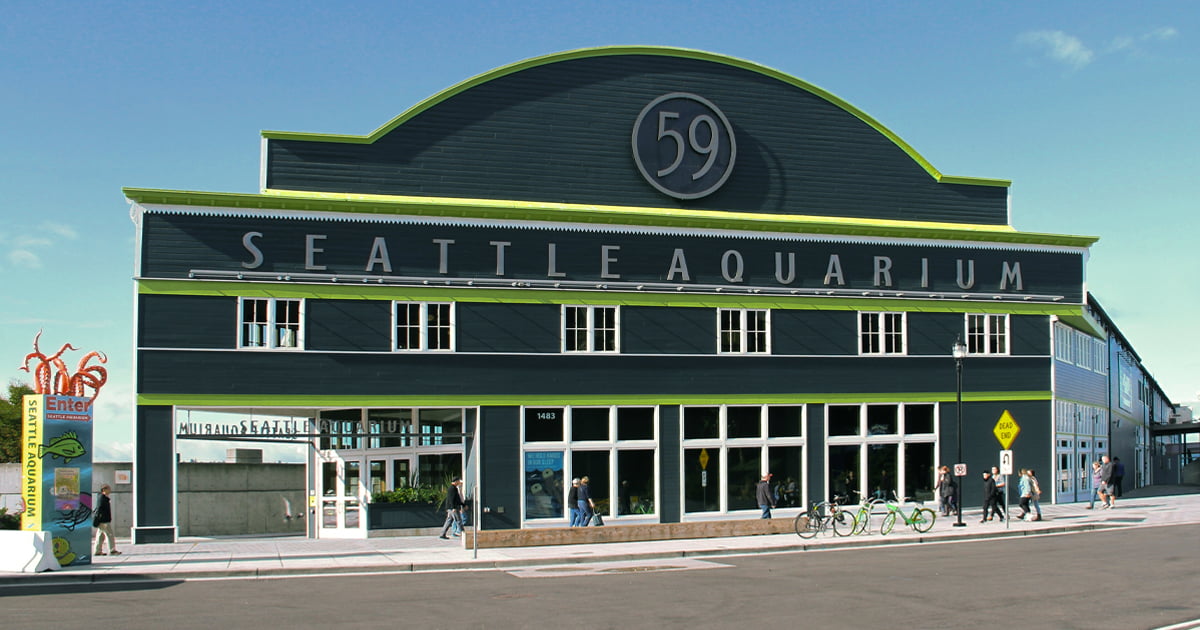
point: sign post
(1006, 431)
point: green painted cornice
(488, 209)
(609, 51)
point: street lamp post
(959, 351)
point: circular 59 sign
(684, 145)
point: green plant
(9, 521)
(412, 494)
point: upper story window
(424, 326)
(881, 333)
(590, 329)
(987, 334)
(743, 331)
(270, 323)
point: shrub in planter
(9, 521)
(413, 494)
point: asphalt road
(1127, 579)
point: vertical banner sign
(56, 473)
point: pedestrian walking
(453, 505)
(989, 498)
(1037, 494)
(573, 503)
(1097, 486)
(765, 495)
(1118, 489)
(1025, 489)
(587, 506)
(1106, 479)
(946, 485)
(103, 522)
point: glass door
(342, 492)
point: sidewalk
(289, 556)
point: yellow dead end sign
(703, 459)
(1006, 430)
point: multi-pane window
(743, 331)
(424, 326)
(270, 323)
(881, 333)
(590, 329)
(987, 334)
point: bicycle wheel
(844, 523)
(889, 522)
(922, 520)
(862, 521)
(806, 526)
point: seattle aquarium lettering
(759, 263)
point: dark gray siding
(665, 330)
(187, 321)
(560, 132)
(509, 327)
(500, 468)
(283, 373)
(669, 454)
(1030, 334)
(154, 469)
(347, 325)
(814, 332)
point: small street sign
(1006, 462)
(1006, 430)
(960, 470)
(703, 459)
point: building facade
(667, 270)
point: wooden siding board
(187, 321)
(814, 332)
(560, 133)
(362, 325)
(665, 330)
(508, 328)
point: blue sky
(1089, 108)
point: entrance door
(343, 510)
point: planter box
(403, 515)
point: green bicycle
(868, 506)
(921, 519)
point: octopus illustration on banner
(52, 376)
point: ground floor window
(615, 447)
(727, 448)
(881, 450)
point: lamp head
(959, 350)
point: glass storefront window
(787, 464)
(635, 423)
(843, 471)
(441, 426)
(545, 488)
(744, 473)
(329, 478)
(353, 475)
(918, 419)
(594, 465)
(378, 476)
(635, 482)
(881, 471)
(544, 424)
(701, 485)
(341, 429)
(401, 477)
(589, 424)
(918, 471)
(843, 420)
(701, 423)
(743, 422)
(439, 470)
(389, 428)
(883, 419)
(783, 421)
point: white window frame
(424, 327)
(744, 333)
(591, 329)
(266, 334)
(880, 333)
(983, 342)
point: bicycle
(824, 515)
(866, 507)
(921, 519)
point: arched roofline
(606, 51)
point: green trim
(599, 298)
(663, 51)
(387, 205)
(317, 401)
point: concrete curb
(113, 576)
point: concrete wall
(214, 499)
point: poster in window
(544, 487)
